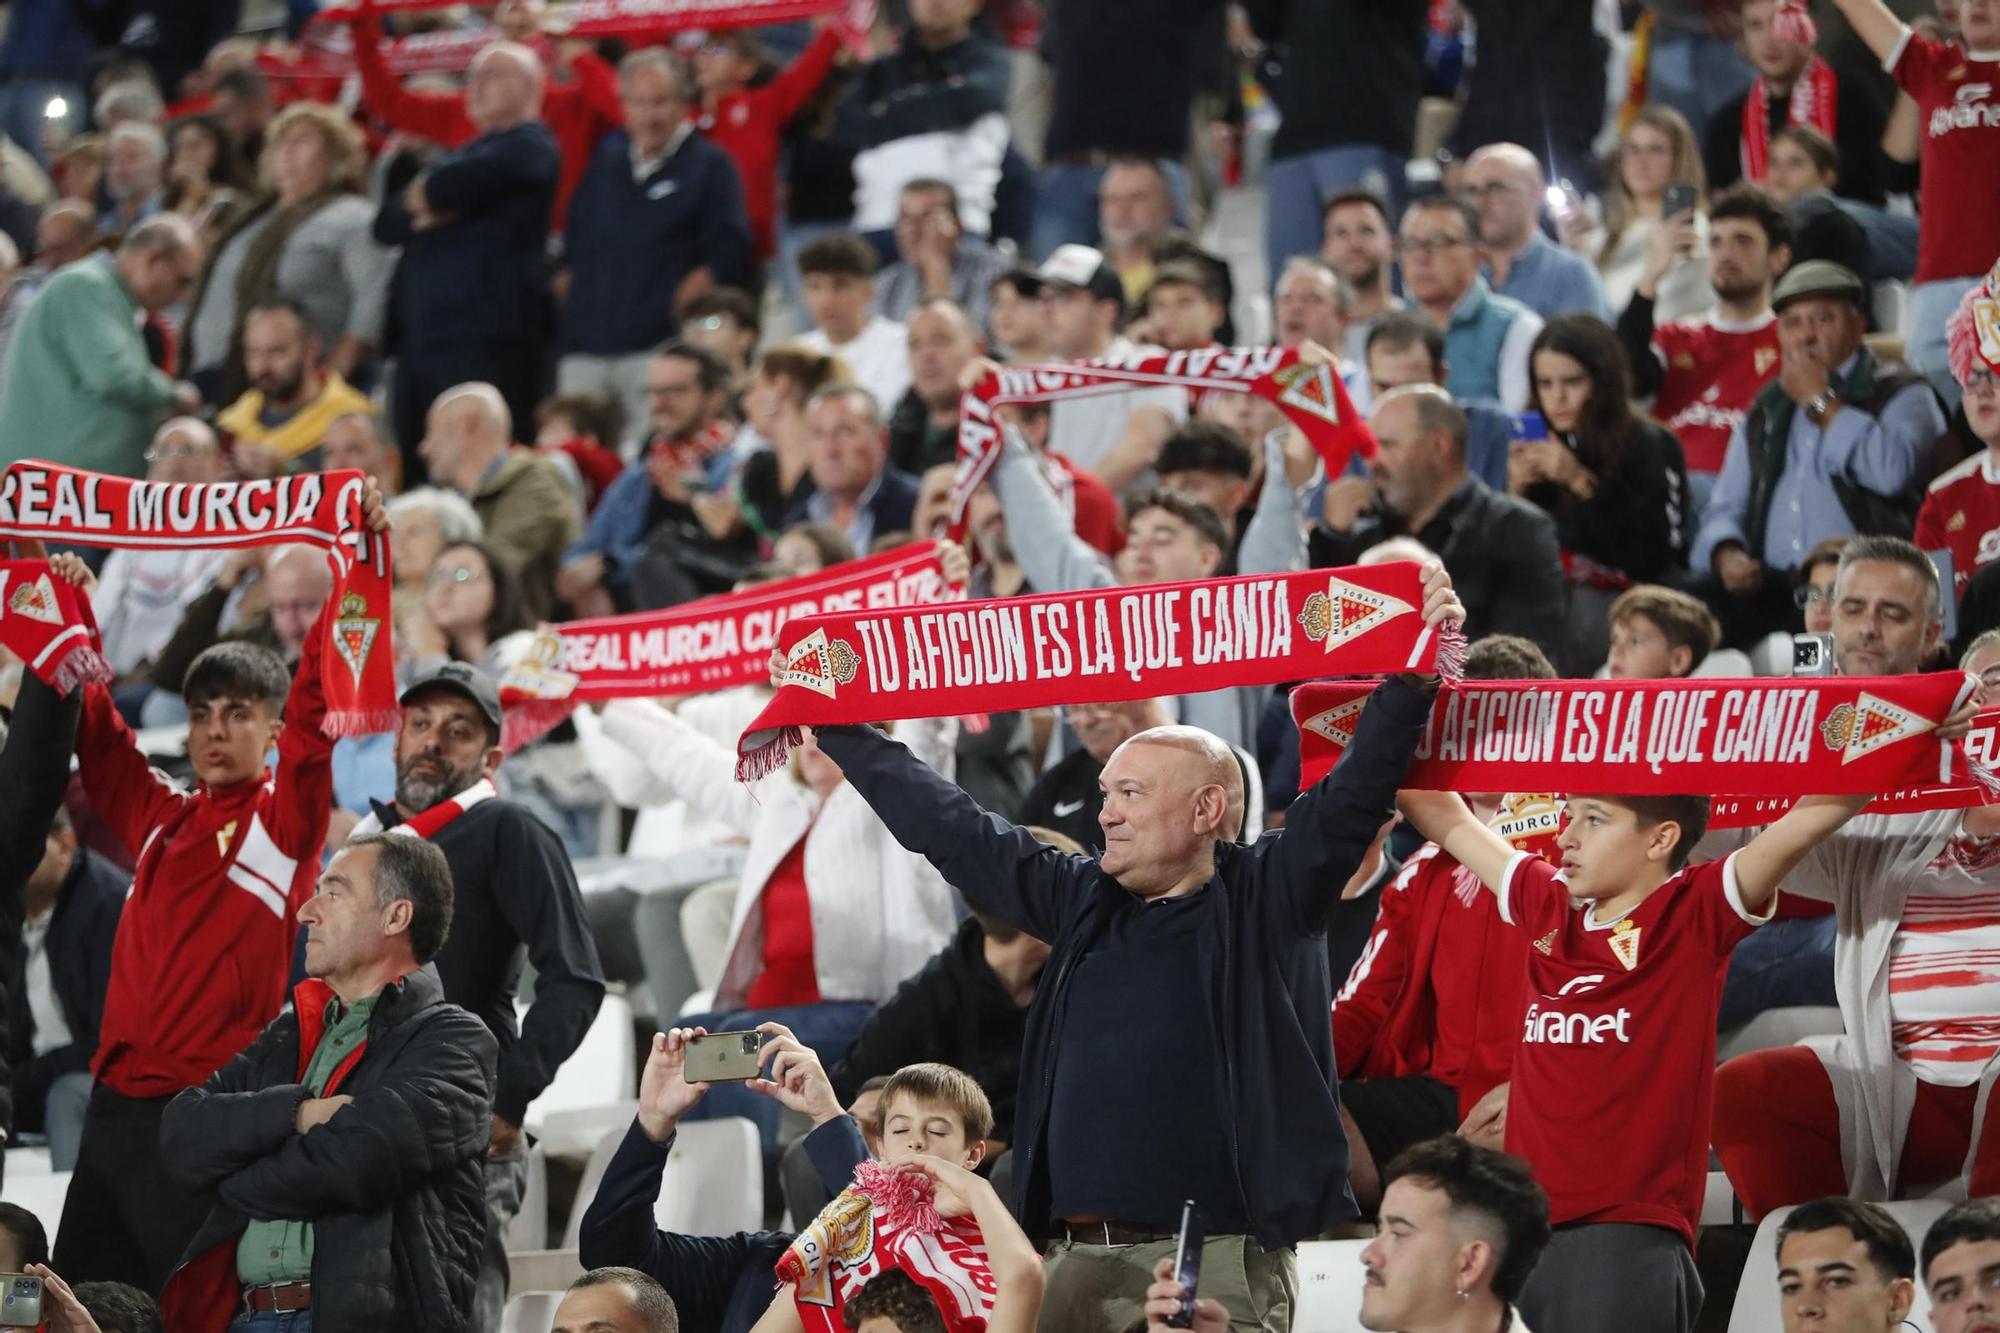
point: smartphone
(1678, 199)
(1526, 426)
(1812, 654)
(20, 1300)
(1187, 1264)
(725, 1057)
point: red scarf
(699, 646)
(1753, 738)
(1814, 99)
(46, 501)
(1312, 396)
(426, 823)
(887, 1219)
(1102, 646)
(48, 624)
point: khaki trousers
(1102, 1288)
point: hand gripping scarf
(1103, 646)
(1761, 739)
(49, 502)
(887, 1219)
(709, 644)
(1973, 331)
(1312, 396)
(48, 624)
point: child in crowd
(1659, 634)
(837, 274)
(1614, 1072)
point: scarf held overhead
(48, 624)
(1103, 646)
(49, 502)
(1311, 396)
(1752, 738)
(710, 644)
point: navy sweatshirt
(1259, 961)
(629, 244)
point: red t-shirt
(788, 977)
(1958, 229)
(1614, 1074)
(1961, 514)
(1710, 374)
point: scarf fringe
(526, 721)
(81, 665)
(760, 754)
(340, 723)
(906, 1199)
(1452, 648)
(1794, 23)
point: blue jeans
(1066, 204)
(1697, 75)
(827, 1029)
(1785, 965)
(1297, 189)
(1931, 305)
(62, 1118)
(272, 1321)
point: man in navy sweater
(1176, 1046)
(657, 220)
(471, 293)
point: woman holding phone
(1656, 199)
(1615, 483)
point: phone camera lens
(751, 1041)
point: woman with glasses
(472, 612)
(1657, 152)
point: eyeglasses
(1430, 245)
(1982, 381)
(1807, 595)
(1492, 187)
(444, 574)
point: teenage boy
(837, 276)
(204, 947)
(1614, 1072)
(1659, 634)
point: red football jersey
(1958, 229)
(1710, 374)
(1615, 1070)
(1961, 514)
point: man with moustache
(516, 898)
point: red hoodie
(1439, 986)
(199, 963)
(578, 113)
(749, 126)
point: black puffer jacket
(392, 1183)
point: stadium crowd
(1667, 333)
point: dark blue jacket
(480, 276)
(720, 1284)
(1262, 961)
(914, 90)
(79, 946)
(629, 245)
(894, 501)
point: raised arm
(1054, 558)
(1874, 23)
(1274, 542)
(34, 769)
(1762, 866)
(690, 764)
(1443, 817)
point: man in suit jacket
(854, 488)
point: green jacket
(77, 388)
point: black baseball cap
(466, 681)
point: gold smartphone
(725, 1057)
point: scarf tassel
(1794, 23)
(1452, 648)
(340, 723)
(764, 757)
(81, 665)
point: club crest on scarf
(1345, 612)
(1308, 389)
(539, 673)
(354, 632)
(1337, 724)
(1868, 724)
(36, 599)
(821, 664)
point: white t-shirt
(1084, 430)
(51, 1028)
(879, 356)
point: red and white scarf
(1814, 102)
(1312, 396)
(1103, 646)
(1973, 331)
(426, 823)
(710, 644)
(48, 624)
(49, 502)
(888, 1219)
(1766, 739)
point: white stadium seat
(1756, 1308)
(1329, 1287)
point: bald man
(474, 227)
(527, 511)
(1178, 1046)
(1505, 183)
(923, 425)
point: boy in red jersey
(1961, 514)
(1614, 1071)
(204, 947)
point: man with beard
(1360, 243)
(515, 896)
(293, 397)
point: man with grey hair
(657, 220)
(78, 387)
(142, 594)
(1501, 551)
(471, 294)
(135, 168)
(1311, 303)
(854, 487)
(1181, 962)
(1505, 183)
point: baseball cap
(1085, 267)
(466, 681)
(1821, 278)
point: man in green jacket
(78, 387)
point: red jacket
(198, 966)
(1438, 940)
(750, 125)
(579, 112)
